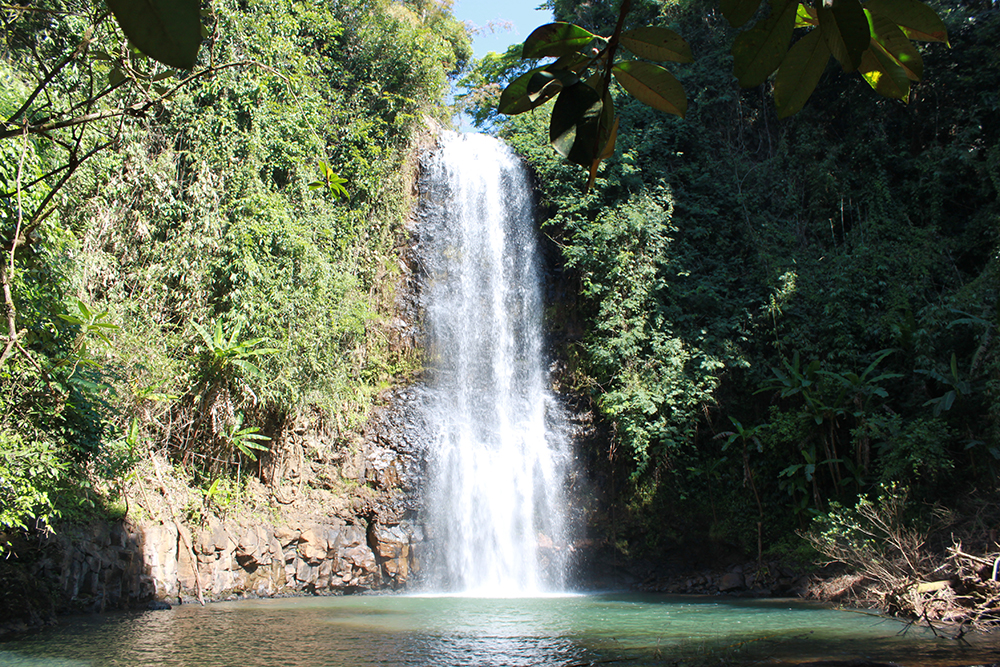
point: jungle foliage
(873, 39)
(780, 313)
(194, 258)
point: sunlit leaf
(574, 62)
(556, 39)
(203, 332)
(219, 338)
(516, 98)
(758, 51)
(546, 84)
(799, 73)
(652, 85)
(575, 124)
(166, 30)
(249, 368)
(884, 74)
(917, 20)
(660, 44)
(895, 43)
(805, 16)
(845, 27)
(84, 310)
(738, 12)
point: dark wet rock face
(395, 450)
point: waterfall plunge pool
(444, 631)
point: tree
(62, 106)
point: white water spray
(499, 455)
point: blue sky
(523, 16)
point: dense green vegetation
(782, 315)
(213, 255)
(872, 39)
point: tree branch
(80, 49)
(137, 109)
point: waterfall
(499, 454)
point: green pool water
(619, 629)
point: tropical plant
(173, 201)
(31, 473)
(713, 248)
(223, 353)
(747, 437)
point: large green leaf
(895, 43)
(884, 74)
(575, 125)
(652, 85)
(799, 73)
(530, 90)
(758, 51)
(916, 19)
(607, 130)
(556, 39)
(738, 12)
(845, 27)
(660, 44)
(805, 16)
(547, 83)
(165, 30)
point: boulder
(392, 546)
(254, 548)
(731, 581)
(313, 545)
(286, 536)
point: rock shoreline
(104, 566)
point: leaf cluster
(584, 124)
(873, 40)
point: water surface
(566, 631)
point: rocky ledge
(117, 566)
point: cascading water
(499, 455)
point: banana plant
(958, 387)
(748, 436)
(246, 440)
